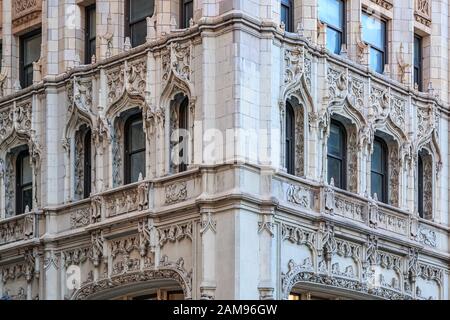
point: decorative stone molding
(427, 236)
(326, 244)
(80, 218)
(298, 235)
(175, 233)
(25, 13)
(386, 4)
(18, 228)
(175, 192)
(300, 195)
(422, 12)
(207, 223)
(169, 271)
(76, 256)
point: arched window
(87, 165)
(379, 170)
(134, 149)
(187, 12)
(290, 139)
(24, 182)
(337, 151)
(183, 126)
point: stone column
(208, 250)
(10, 61)
(51, 267)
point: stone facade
(234, 224)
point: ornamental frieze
(175, 233)
(25, 13)
(175, 192)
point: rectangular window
(90, 34)
(136, 13)
(331, 12)
(287, 16)
(418, 62)
(187, 12)
(374, 34)
(30, 51)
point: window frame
(289, 27)
(22, 67)
(383, 50)
(184, 22)
(342, 32)
(385, 170)
(127, 145)
(20, 188)
(290, 139)
(88, 38)
(419, 66)
(343, 159)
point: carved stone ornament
(298, 235)
(167, 270)
(299, 195)
(80, 218)
(427, 236)
(175, 192)
(422, 12)
(175, 233)
(176, 61)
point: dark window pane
(334, 40)
(188, 12)
(137, 136)
(138, 33)
(373, 31)
(377, 157)
(26, 171)
(335, 141)
(418, 62)
(286, 14)
(92, 20)
(290, 139)
(27, 195)
(377, 185)
(335, 171)
(376, 60)
(137, 162)
(331, 12)
(32, 49)
(140, 9)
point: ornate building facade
(224, 149)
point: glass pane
(377, 157)
(285, 17)
(188, 12)
(32, 49)
(137, 162)
(140, 9)
(376, 60)
(417, 51)
(92, 22)
(377, 185)
(331, 12)
(28, 76)
(335, 144)
(138, 33)
(27, 196)
(137, 136)
(373, 31)
(334, 40)
(334, 171)
(26, 171)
